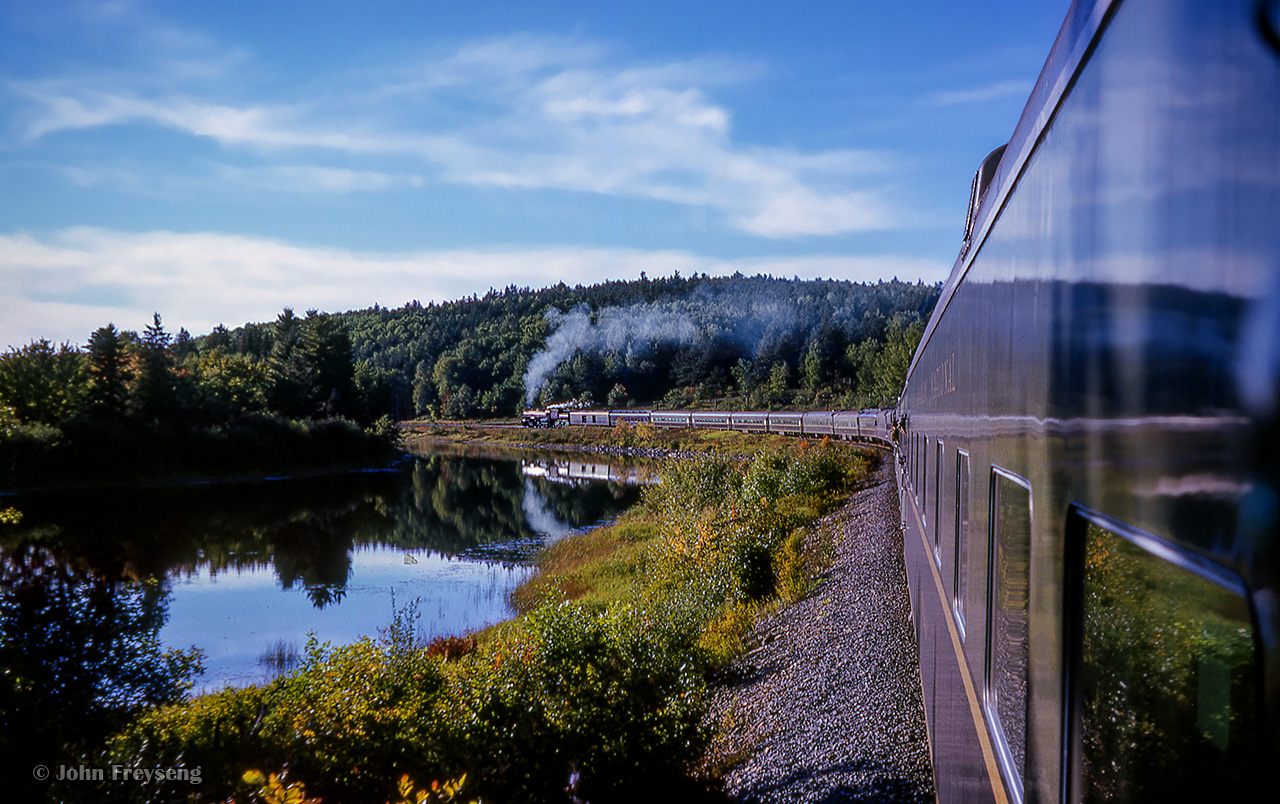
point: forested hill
(752, 341)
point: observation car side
(1087, 465)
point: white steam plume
(633, 328)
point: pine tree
(154, 390)
(108, 375)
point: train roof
(1075, 39)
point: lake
(246, 571)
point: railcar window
(937, 506)
(924, 482)
(962, 536)
(1167, 684)
(915, 464)
(1007, 650)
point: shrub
(345, 724)
(452, 647)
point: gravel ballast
(828, 707)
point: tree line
(134, 405)
(732, 342)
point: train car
(749, 421)
(669, 418)
(874, 424)
(706, 420)
(787, 423)
(1088, 431)
(617, 417)
(846, 424)
(817, 423)
(594, 418)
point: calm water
(251, 569)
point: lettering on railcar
(943, 380)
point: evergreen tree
(326, 346)
(154, 389)
(109, 375)
(424, 390)
(218, 339)
(293, 385)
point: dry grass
(723, 442)
(598, 566)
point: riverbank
(602, 686)
(641, 440)
(250, 447)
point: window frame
(1078, 520)
(1014, 777)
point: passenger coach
(1088, 449)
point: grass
(681, 439)
(601, 566)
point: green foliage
(722, 639)
(468, 357)
(153, 395)
(229, 383)
(729, 521)
(345, 723)
(879, 366)
(632, 436)
(42, 385)
(109, 373)
(1169, 680)
(793, 577)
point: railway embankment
(826, 706)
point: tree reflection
(79, 652)
(306, 529)
(1168, 680)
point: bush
(347, 723)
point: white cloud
(524, 112)
(65, 285)
(997, 91)
(316, 179)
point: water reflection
(245, 570)
(79, 650)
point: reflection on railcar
(1168, 680)
(962, 536)
(1007, 648)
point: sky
(218, 162)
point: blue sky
(216, 162)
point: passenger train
(1088, 440)
(859, 425)
(1088, 431)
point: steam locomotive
(1089, 428)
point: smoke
(614, 329)
(759, 318)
